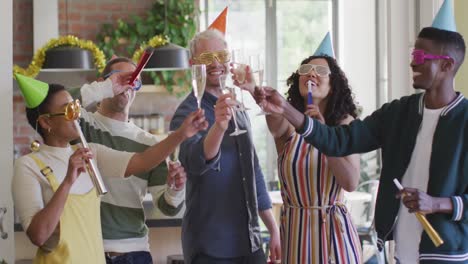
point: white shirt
(32, 191)
(408, 230)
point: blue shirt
(223, 195)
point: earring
(48, 130)
(35, 144)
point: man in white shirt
(122, 216)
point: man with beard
(122, 216)
(225, 186)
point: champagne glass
(256, 64)
(239, 64)
(171, 159)
(199, 81)
(225, 82)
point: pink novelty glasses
(419, 56)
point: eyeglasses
(136, 84)
(72, 111)
(320, 70)
(207, 58)
(419, 56)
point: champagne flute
(256, 64)
(171, 159)
(199, 81)
(225, 82)
(238, 61)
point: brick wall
(22, 32)
(81, 18)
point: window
(284, 32)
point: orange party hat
(220, 22)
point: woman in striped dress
(315, 225)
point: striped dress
(315, 225)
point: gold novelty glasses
(207, 58)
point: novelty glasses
(320, 70)
(207, 58)
(419, 56)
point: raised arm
(167, 187)
(357, 137)
(96, 91)
(154, 155)
(278, 126)
(223, 114)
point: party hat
(445, 18)
(325, 47)
(34, 91)
(220, 22)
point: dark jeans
(258, 257)
(136, 257)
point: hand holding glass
(239, 65)
(225, 82)
(257, 67)
(171, 159)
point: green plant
(174, 18)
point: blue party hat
(325, 47)
(445, 18)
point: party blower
(431, 232)
(310, 101)
(72, 113)
(141, 64)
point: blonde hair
(209, 34)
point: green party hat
(34, 91)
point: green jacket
(394, 128)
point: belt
(332, 209)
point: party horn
(431, 232)
(309, 93)
(141, 64)
(72, 113)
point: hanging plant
(156, 41)
(172, 18)
(39, 57)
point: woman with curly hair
(315, 225)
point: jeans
(136, 257)
(258, 257)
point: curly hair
(340, 102)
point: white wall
(397, 23)
(7, 250)
(461, 82)
(357, 49)
(46, 22)
(400, 33)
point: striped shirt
(122, 214)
